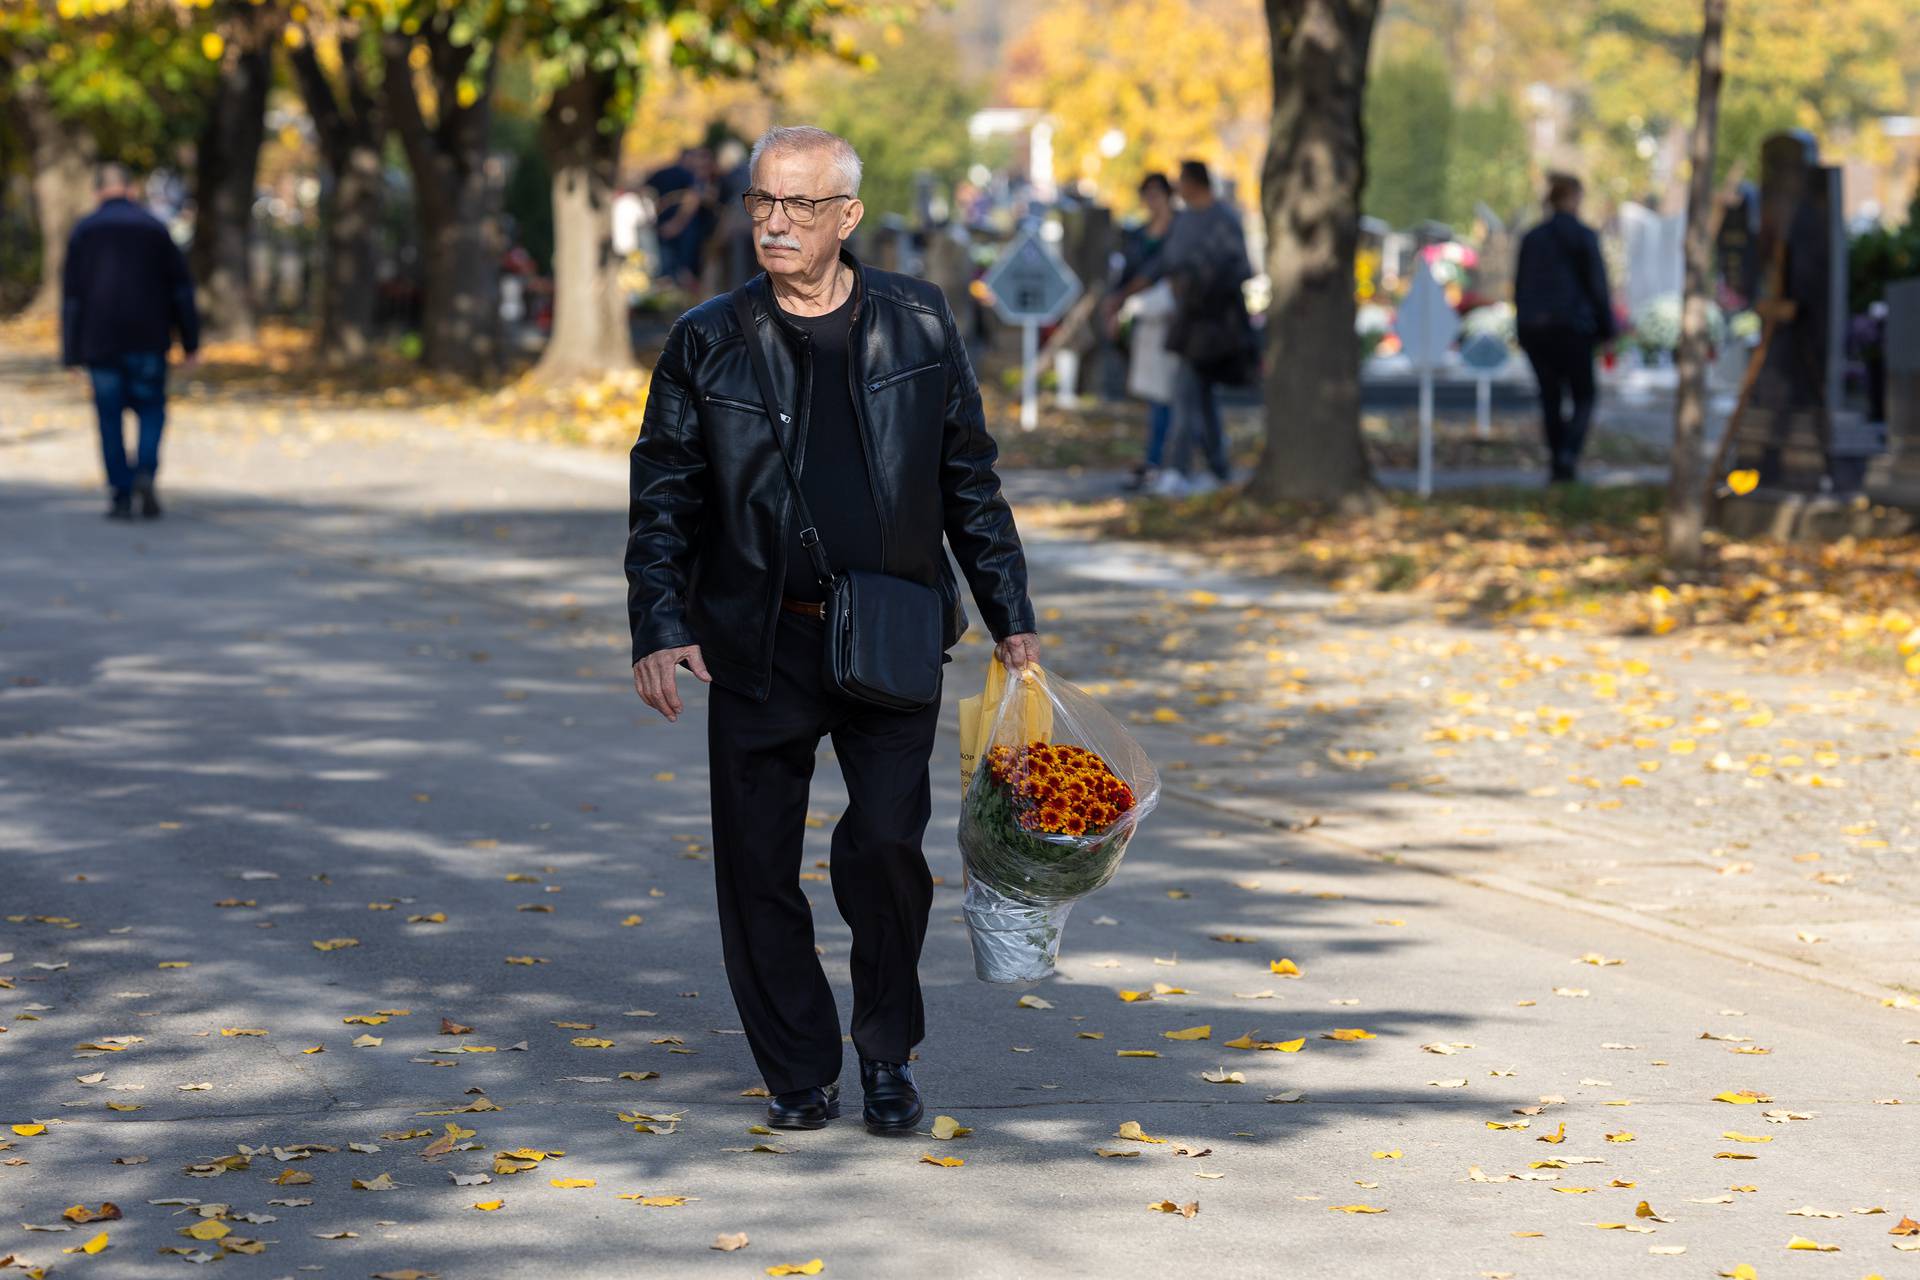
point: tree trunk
(1687, 489)
(352, 135)
(226, 165)
(1310, 193)
(457, 203)
(348, 276)
(461, 248)
(62, 158)
(590, 326)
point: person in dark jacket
(1562, 310)
(125, 293)
(1204, 259)
(1139, 246)
(883, 419)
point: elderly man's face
(805, 251)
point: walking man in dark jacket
(125, 293)
(1562, 309)
(879, 409)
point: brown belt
(806, 608)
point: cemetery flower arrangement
(1046, 809)
(1055, 793)
(1496, 318)
(1656, 326)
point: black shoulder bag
(883, 632)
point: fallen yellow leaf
(1801, 1242)
(946, 1127)
(95, 1245)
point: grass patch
(1573, 557)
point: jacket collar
(760, 293)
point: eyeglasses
(800, 210)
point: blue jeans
(136, 381)
(1196, 422)
(1159, 423)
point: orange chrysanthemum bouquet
(1054, 789)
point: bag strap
(809, 535)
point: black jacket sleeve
(184, 316)
(1594, 281)
(979, 523)
(668, 479)
(72, 294)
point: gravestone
(948, 266)
(1655, 266)
(1735, 249)
(1795, 431)
(1903, 390)
(1494, 275)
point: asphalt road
(362, 674)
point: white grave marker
(1031, 286)
(1427, 326)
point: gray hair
(787, 139)
(111, 176)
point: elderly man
(880, 417)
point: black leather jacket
(711, 510)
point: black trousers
(1562, 361)
(761, 756)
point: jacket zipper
(779, 576)
(854, 348)
(735, 404)
(900, 376)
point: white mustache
(771, 241)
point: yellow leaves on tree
(1169, 79)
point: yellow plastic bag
(976, 714)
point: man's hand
(1017, 651)
(190, 360)
(653, 677)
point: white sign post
(1427, 326)
(1031, 286)
(1486, 355)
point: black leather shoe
(892, 1100)
(149, 500)
(804, 1108)
(121, 508)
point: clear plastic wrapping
(1056, 791)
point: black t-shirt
(833, 473)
